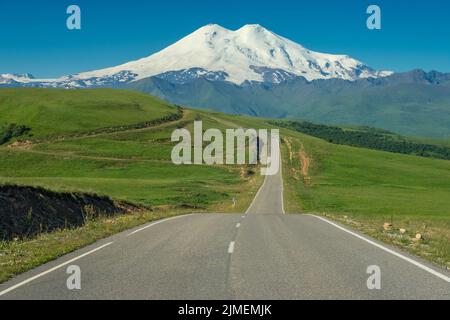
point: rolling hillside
(55, 112)
(92, 141)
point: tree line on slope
(11, 130)
(367, 137)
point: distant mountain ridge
(415, 103)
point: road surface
(263, 254)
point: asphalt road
(263, 254)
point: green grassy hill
(129, 162)
(122, 174)
(58, 112)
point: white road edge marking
(282, 185)
(52, 269)
(231, 247)
(256, 196)
(264, 183)
(158, 222)
(238, 225)
(414, 262)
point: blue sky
(34, 37)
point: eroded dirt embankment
(28, 211)
(301, 171)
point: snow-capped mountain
(251, 53)
(10, 78)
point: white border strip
(52, 269)
(158, 222)
(231, 247)
(282, 185)
(414, 262)
(257, 194)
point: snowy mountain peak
(251, 53)
(211, 27)
(12, 78)
(237, 53)
(256, 28)
(255, 31)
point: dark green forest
(367, 137)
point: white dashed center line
(231, 247)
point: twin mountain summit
(256, 72)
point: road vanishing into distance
(263, 254)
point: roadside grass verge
(434, 245)
(366, 188)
